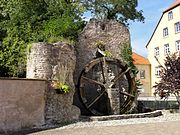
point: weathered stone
(47, 65)
(113, 34)
(39, 61)
(115, 37)
(127, 116)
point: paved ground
(160, 128)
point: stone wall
(115, 37)
(22, 103)
(44, 62)
(39, 61)
(126, 116)
(113, 34)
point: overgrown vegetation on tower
(26, 21)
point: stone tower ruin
(113, 34)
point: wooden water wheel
(97, 81)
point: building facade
(144, 74)
(165, 40)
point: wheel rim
(95, 81)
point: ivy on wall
(126, 54)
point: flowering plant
(59, 80)
(59, 86)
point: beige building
(165, 39)
(144, 74)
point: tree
(120, 10)
(170, 78)
(26, 21)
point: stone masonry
(115, 37)
(113, 34)
(44, 62)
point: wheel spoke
(96, 99)
(120, 75)
(105, 69)
(92, 81)
(109, 74)
(127, 94)
(104, 80)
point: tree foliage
(170, 78)
(126, 54)
(26, 21)
(120, 10)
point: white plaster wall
(158, 41)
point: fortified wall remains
(44, 61)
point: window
(142, 74)
(178, 45)
(165, 32)
(157, 71)
(166, 49)
(177, 27)
(170, 15)
(156, 51)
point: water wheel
(98, 79)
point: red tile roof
(175, 4)
(139, 60)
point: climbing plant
(126, 55)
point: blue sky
(141, 32)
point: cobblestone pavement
(159, 128)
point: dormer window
(165, 32)
(170, 15)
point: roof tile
(176, 3)
(139, 60)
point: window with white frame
(177, 27)
(156, 51)
(178, 45)
(157, 71)
(166, 49)
(142, 74)
(165, 32)
(170, 15)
